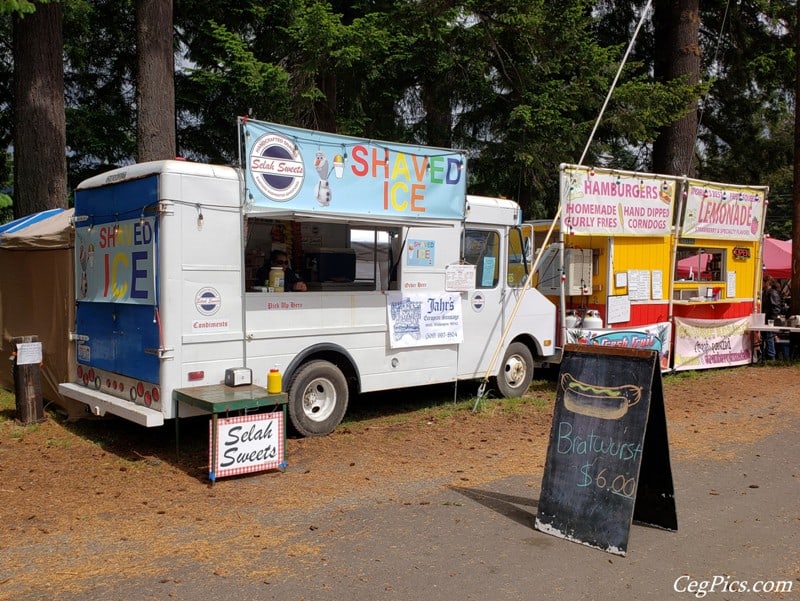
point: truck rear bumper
(101, 403)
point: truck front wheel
(516, 371)
(318, 398)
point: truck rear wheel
(318, 398)
(516, 371)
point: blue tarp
(23, 222)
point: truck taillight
(195, 376)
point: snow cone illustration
(322, 189)
(666, 193)
(576, 186)
(338, 166)
(84, 279)
(91, 255)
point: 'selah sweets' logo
(207, 301)
(277, 167)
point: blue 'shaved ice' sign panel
(116, 239)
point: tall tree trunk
(677, 54)
(155, 81)
(40, 139)
(438, 114)
(795, 282)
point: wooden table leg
(177, 431)
(212, 475)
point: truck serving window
(701, 264)
(373, 256)
(482, 249)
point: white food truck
(409, 280)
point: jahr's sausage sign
(608, 457)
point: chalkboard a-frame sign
(608, 457)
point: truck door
(115, 247)
(484, 307)
(118, 338)
(502, 260)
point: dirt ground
(73, 492)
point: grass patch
(440, 403)
(58, 443)
(685, 375)
(8, 417)
(8, 405)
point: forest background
(707, 91)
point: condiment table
(219, 398)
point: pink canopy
(696, 264)
(777, 257)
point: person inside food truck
(291, 281)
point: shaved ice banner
(293, 169)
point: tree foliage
(517, 84)
(100, 88)
(20, 7)
(747, 119)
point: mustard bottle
(274, 381)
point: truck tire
(516, 371)
(318, 398)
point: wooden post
(27, 380)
